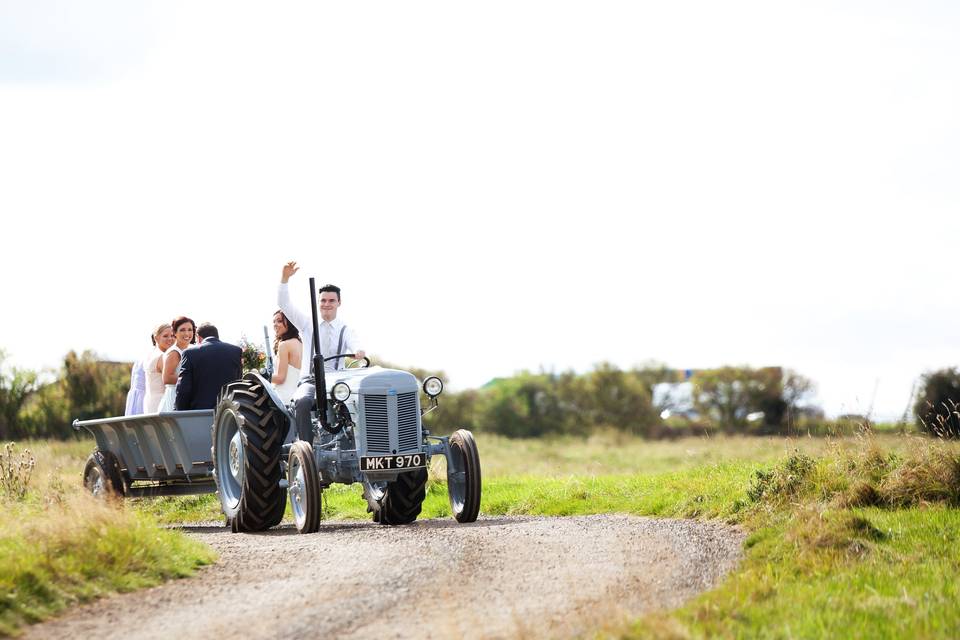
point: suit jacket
(204, 369)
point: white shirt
(329, 334)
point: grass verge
(59, 546)
(853, 544)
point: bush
(938, 404)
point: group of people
(188, 365)
(183, 370)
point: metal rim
(457, 478)
(236, 456)
(298, 492)
(94, 480)
(376, 491)
(230, 461)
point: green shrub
(784, 482)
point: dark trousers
(304, 399)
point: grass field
(852, 537)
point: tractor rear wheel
(304, 484)
(101, 475)
(399, 501)
(248, 433)
(463, 476)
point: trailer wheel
(304, 484)
(463, 476)
(399, 501)
(101, 475)
(247, 437)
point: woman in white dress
(153, 367)
(184, 329)
(288, 352)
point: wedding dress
(289, 385)
(153, 393)
(169, 401)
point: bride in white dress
(163, 339)
(184, 329)
(288, 352)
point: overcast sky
(496, 186)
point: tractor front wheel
(463, 476)
(304, 486)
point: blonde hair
(156, 332)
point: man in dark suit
(205, 368)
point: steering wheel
(352, 365)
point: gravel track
(505, 577)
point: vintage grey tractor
(360, 424)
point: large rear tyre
(397, 502)
(248, 433)
(304, 483)
(101, 475)
(463, 476)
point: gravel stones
(500, 577)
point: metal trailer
(158, 454)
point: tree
(94, 388)
(731, 395)
(524, 406)
(619, 399)
(938, 403)
(16, 387)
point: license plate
(392, 463)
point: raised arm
(299, 319)
(171, 359)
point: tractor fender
(254, 376)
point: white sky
(496, 186)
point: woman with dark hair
(185, 331)
(162, 339)
(288, 349)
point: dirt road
(497, 578)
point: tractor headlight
(340, 391)
(432, 386)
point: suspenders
(336, 363)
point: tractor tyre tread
(463, 440)
(403, 498)
(263, 500)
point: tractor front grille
(379, 423)
(377, 427)
(407, 421)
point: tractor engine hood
(374, 381)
